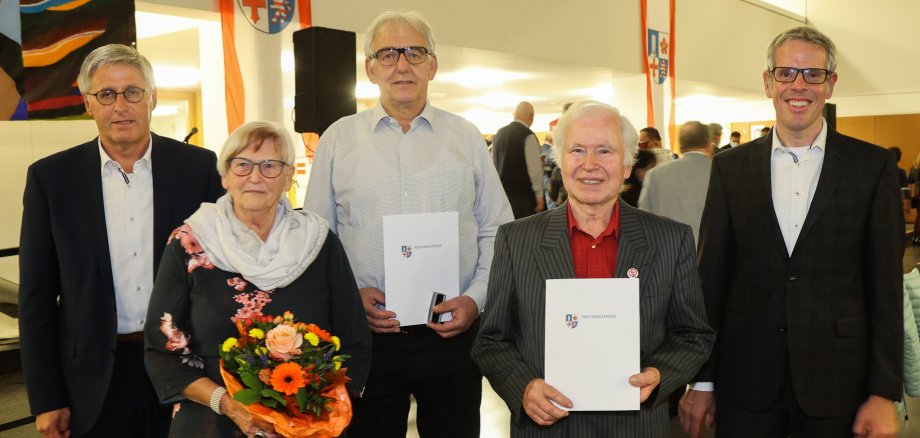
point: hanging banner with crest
(658, 24)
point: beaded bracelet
(215, 399)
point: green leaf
(301, 399)
(246, 396)
(271, 393)
(270, 403)
(252, 381)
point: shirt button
(782, 330)
(134, 253)
(138, 288)
(792, 278)
(797, 194)
(406, 194)
(593, 246)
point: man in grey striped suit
(593, 236)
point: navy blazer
(67, 318)
(832, 310)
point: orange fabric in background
(234, 94)
(234, 91)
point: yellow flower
(337, 361)
(337, 342)
(311, 338)
(228, 344)
(256, 333)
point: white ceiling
(879, 56)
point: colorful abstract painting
(12, 106)
(56, 36)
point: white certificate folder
(421, 256)
(592, 342)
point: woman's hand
(248, 424)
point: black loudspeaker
(324, 77)
(830, 114)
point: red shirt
(595, 257)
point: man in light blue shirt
(402, 157)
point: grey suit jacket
(675, 337)
(677, 190)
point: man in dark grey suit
(95, 221)
(800, 258)
(593, 236)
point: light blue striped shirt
(366, 168)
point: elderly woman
(248, 254)
(593, 235)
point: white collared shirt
(794, 176)
(128, 203)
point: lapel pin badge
(632, 273)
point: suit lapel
(831, 170)
(164, 188)
(88, 188)
(554, 257)
(632, 246)
(762, 190)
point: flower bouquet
(287, 373)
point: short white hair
(254, 134)
(411, 18)
(593, 108)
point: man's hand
(541, 204)
(646, 381)
(876, 418)
(380, 321)
(463, 311)
(54, 424)
(697, 408)
(537, 404)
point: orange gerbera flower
(322, 334)
(287, 378)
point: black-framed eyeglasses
(811, 75)
(390, 55)
(268, 168)
(108, 96)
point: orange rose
(283, 342)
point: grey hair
(808, 35)
(412, 18)
(715, 129)
(254, 134)
(593, 108)
(694, 135)
(110, 54)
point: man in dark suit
(800, 258)
(733, 141)
(95, 220)
(516, 153)
(592, 236)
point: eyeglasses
(811, 75)
(390, 55)
(268, 168)
(131, 94)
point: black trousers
(784, 418)
(131, 408)
(522, 206)
(439, 373)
